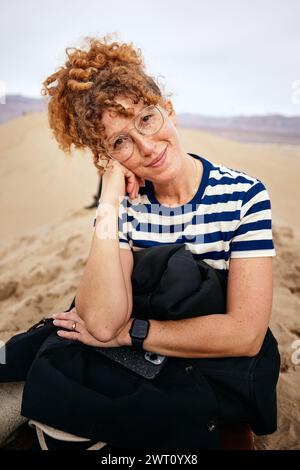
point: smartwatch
(138, 332)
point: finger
(68, 335)
(135, 189)
(131, 177)
(68, 324)
(72, 315)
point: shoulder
(229, 175)
(240, 185)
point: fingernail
(54, 315)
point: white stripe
(252, 253)
(217, 264)
(265, 214)
(259, 197)
(254, 235)
(226, 189)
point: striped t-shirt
(228, 217)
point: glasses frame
(140, 132)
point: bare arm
(101, 299)
(240, 332)
(104, 298)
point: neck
(183, 186)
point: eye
(118, 142)
(146, 120)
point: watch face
(140, 328)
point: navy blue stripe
(148, 243)
(160, 210)
(226, 216)
(218, 236)
(251, 180)
(259, 206)
(215, 255)
(252, 245)
(252, 226)
(253, 191)
(223, 172)
(228, 180)
(214, 199)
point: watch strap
(137, 343)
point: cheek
(169, 134)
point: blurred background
(233, 73)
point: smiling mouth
(159, 159)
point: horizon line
(271, 113)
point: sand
(46, 235)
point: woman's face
(148, 148)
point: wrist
(123, 336)
(110, 198)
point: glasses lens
(121, 147)
(149, 121)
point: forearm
(198, 337)
(101, 299)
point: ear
(170, 110)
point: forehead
(115, 124)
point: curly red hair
(87, 85)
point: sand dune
(47, 235)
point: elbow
(253, 346)
(101, 332)
(102, 325)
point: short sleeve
(122, 225)
(253, 236)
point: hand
(117, 180)
(67, 319)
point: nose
(145, 144)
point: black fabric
(22, 348)
(170, 284)
(73, 388)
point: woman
(104, 101)
(154, 192)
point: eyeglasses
(148, 122)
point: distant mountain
(269, 128)
(18, 105)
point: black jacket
(71, 387)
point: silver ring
(74, 326)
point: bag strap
(62, 436)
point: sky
(216, 57)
